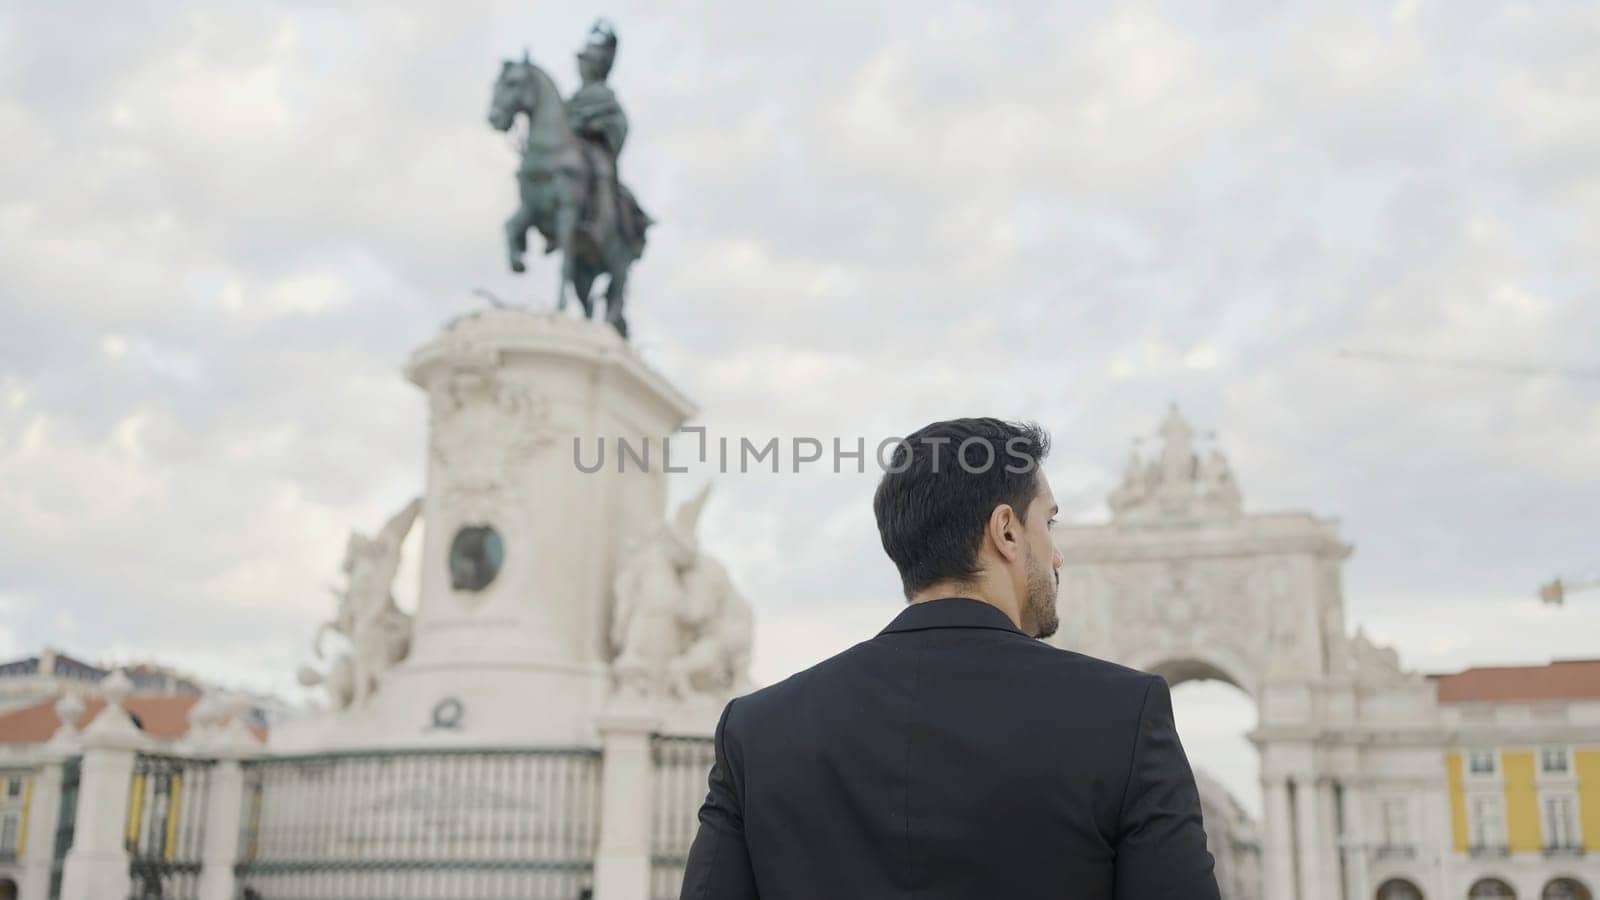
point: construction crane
(1553, 593)
(1503, 367)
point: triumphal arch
(1182, 581)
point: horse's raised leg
(616, 293)
(517, 237)
(566, 224)
(583, 282)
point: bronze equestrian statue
(568, 181)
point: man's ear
(1005, 532)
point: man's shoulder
(1069, 668)
(1060, 672)
(1082, 663)
(778, 694)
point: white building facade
(1366, 768)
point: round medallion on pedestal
(476, 554)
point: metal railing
(66, 821)
(681, 766)
(167, 801)
(519, 824)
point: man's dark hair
(941, 485)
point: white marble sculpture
(1178, 482)
(679, 627)
(1376, 664)
(718, 625)
(378, 632)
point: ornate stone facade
(1355, 750)
(524, 552)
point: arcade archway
(1490, 889)
(1398, 889)
(1565, 889)
(1215, 717)
(1200, 665)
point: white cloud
(12, 607)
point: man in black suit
(954, 755)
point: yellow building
(1523, 781)
(15, 788)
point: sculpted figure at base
(718, 625)
(679, 628)
(379, 634)
(648, 596)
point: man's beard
(1041, 600)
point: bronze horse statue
(569, 192)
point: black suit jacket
(952, 756)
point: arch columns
(1352, 846)
(1278, 879)
(1315, 880)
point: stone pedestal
(44, 806)
(520, 543)
(219, 851)
(622, 863)
(96, 867)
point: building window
(1396, 830)
(1554, 761)
(1486, 821)
(14, 787)
(1561, 822)
(1481, 763)
(8, 835)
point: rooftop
(162, 716)
(1565, 679)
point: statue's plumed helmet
(601, 48)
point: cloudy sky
(223, 225)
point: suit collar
(950, 612)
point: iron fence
(167, 801)
(681, 766)
(499, 824)
(66, 822)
